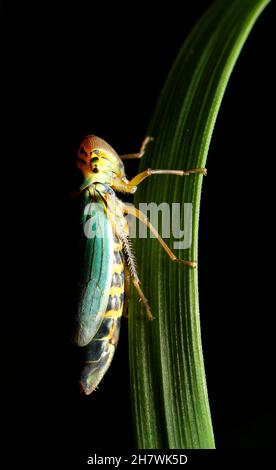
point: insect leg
(139, 215)
(135, 279)
(131, 156)
(143, 299)
(145, 174)
(131, 186)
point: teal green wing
(96, 269)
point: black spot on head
(94, 159)
(96, 170)
(82, 151)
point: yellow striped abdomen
(100, 351)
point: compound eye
(94, 164)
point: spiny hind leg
(133, 274)
(129, 262)
(139, 215)
(136, 282)
(131, 156)
(142, 298)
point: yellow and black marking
(116, 293)
(99, 352)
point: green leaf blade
(168, 386)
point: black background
(100, 70)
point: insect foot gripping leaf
(168, 387)
(107, 259)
